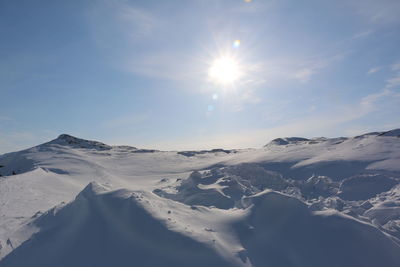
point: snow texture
(294, 202)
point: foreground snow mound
(101, 228)
(281, 231)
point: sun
(224, 70)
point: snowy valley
(293, 202)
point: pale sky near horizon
(138, 72)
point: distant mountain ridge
(297, 140)
(75, 142)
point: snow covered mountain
(294, 202)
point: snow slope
(108, 229)
(281, 231)
(332, 200)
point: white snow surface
(294, 202)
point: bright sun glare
(224, 70)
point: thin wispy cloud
(396, 66)
(274, 72)
(380, 12)
(140, 23)
(123, 20)
(125, 121)
(304, 75)
(374, 70)
(303, 70)
(367, 103)
(362, 34)
(394, 80)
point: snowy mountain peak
(66, 137)
(394, 132)
(92, 189)
(69, 140)
(287, 141)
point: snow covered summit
(69, 140)
(287, 140)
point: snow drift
(281, 231)
(108, 229)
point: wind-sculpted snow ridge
(101, 228)
(226, 187)
(281, 231)
(223, 187)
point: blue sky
(137, 72)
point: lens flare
(236, 44)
